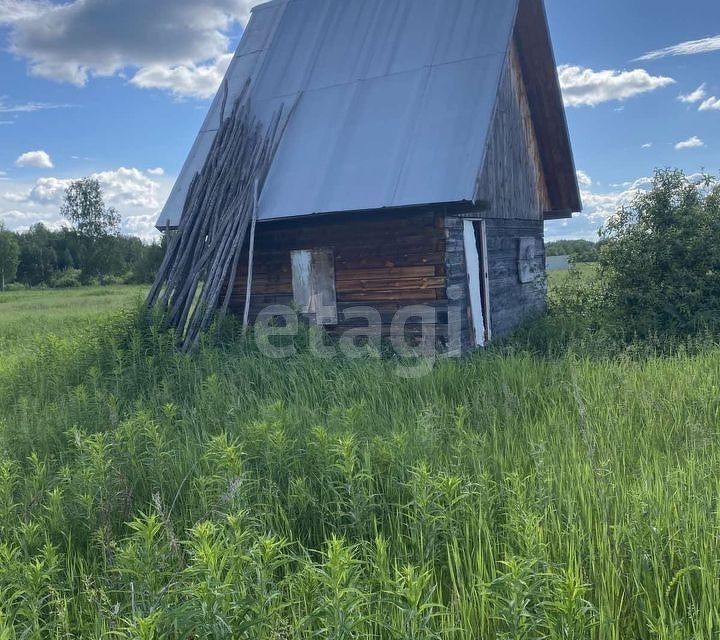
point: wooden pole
(251, 258)
(220, 209)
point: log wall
(383, 260)
(389, 261)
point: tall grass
(149, 494)
(27, 316)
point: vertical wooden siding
(512, 179)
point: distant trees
(578, 250)
(96, 226)
(38, 256)
(55, 259)
(92, 250)
(9, 256)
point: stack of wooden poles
(194, 284)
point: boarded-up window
(313, 274)
(529, 263)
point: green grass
(29, 315)
(149, 494)
(587, 270)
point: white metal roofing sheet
(394, 101)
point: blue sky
(119, 88)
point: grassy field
(148, 494)
(587, 270)
(29, 315)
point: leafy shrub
(15, 286)
(660, 263)
(658, 281)
(114, 280)
(67, 279)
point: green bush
(67, 279)
(660, 262)
(15, 286)
(658, 281)
(580, 251)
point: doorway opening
(476, 260)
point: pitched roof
(393, 101)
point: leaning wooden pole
(220, 210)
(251, 260)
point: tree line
(581, 251)
(90, 251)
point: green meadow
(586, 271)
(149, 494)
(31, 315)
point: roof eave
(539, 67)
(563, 214)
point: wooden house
(425, 148)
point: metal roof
(394, 101)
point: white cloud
(46, 191)
(7, 122)
(129, 187)
(700, 95)
(196, 81)
(14, 197)
(29, 107)
(694, 96)
(711, 104)
(17, 10)
(175, 44)
(599, 206)
(17, 220)
(697, 178)
(584, 180)
(159, 171)
(585, 87)
(142, 226)
(37, 159)
(690, 143)
(647, 145)
(122, 187)
(689, 48)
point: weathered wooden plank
(512, 179)
(545, 101)
(361, 284)
(408, 295)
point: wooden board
(472, 262)
(513, 178)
